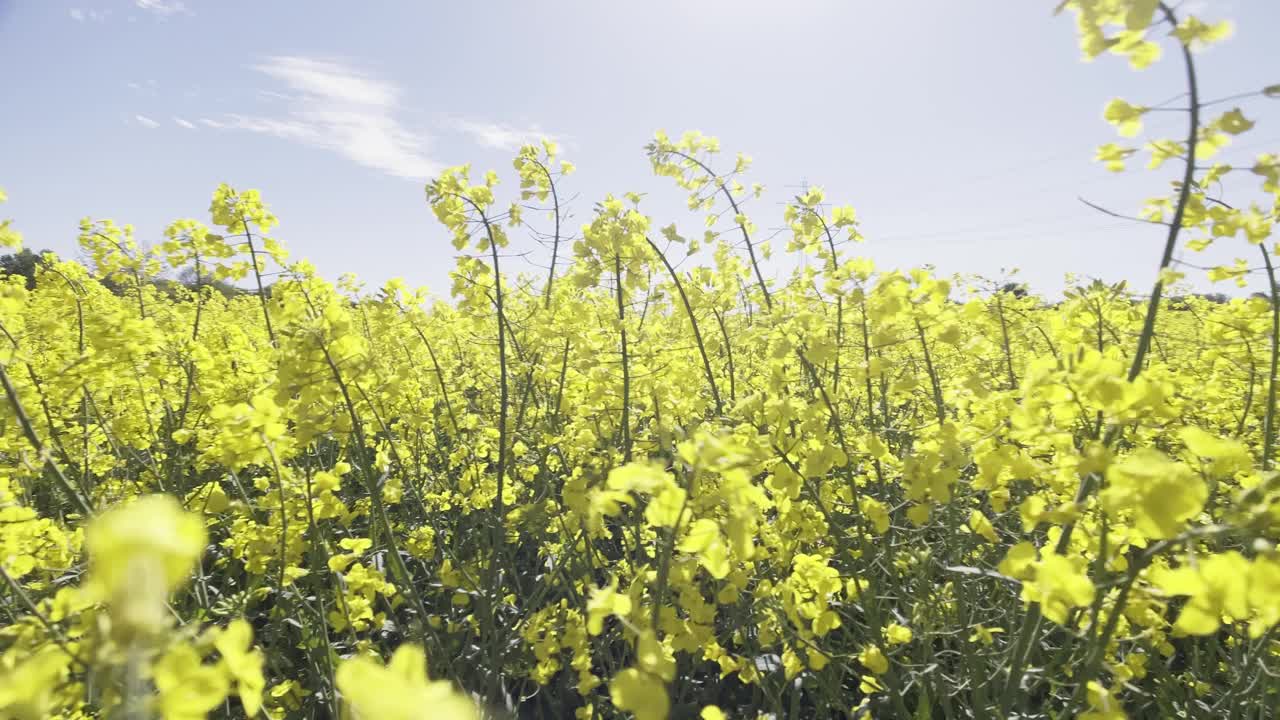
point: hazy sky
(962, 132)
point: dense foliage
(643, 484)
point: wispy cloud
(333, 106)
(273, 95)
(149, 87)
(499, 136)
(185, 123)
(146, 122)
(340, 108)
(163, 8)
(83, 15)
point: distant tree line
(25, 262)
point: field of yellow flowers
(645, 484)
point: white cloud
(185, 123)
(285, 129)
(330, 80)
(333, 106)
(163, 8)
(498, 136)
(273, 95)
(150, 87)
(337, 108)
(146, 122)
(82, 15)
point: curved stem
(737, 212)
(626, 370)
(1268, 423)
(1031, 626)
(1184, 195)
(68, 487)
(728, 351)
(257, 276)
(555, 238)
(693, 321)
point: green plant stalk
(69, 488)
(504, 392)
(257, 276)
(693, 321)
(737, 212)
(1184, 195)
(564, 371)
(555, 242)
(728, 354)
(664, 566)
(939, 407)
(626, 365)
(1268, 423)
(435, 364)
(1004, 341)
(1032, 622)
(404, 576)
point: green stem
(1268, 423)
(626, 370)
(257, 276)
(693, 321)
(1184, 196)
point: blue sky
(961, 131)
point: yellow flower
(1102, 704)
(400, 690)
(641, 693)
(188, 688)
(1194, 32)
(1019, 561)
(705, 540)
(243, 663)
(897, 634)
(604, 602)
(209, 498)
(138, 554)
(873, 659)
(981, 525)
(876, 512)
(1227, 456)
(918, 514)
(653, 657)
(27, 685)
(1218, 586)
(1059, 585)
(11, 239)
(1264, 593)
(984, 634)
(664, 510)
(1127, 118)
(1159, 493)
(644, 477)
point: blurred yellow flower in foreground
(400, 690)
(138, 554)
